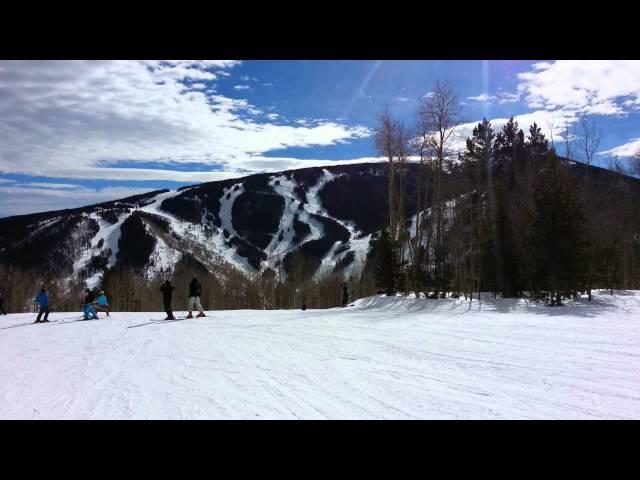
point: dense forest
(520, 222)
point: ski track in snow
(395, 358)
(188, 231)
(226, 206)
(277, 251)
(165, 257)
(108, 232)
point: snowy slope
(199, 217)
(109, 234)
(384, 358)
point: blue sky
(79, 132)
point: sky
(74, 133)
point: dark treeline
(516, 219)
(129, 289)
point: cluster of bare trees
(430, 141)
(480, 214)
(20, 287)
(224, 287)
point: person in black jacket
(195, 290)
(2, 310)
(89, 298)
(345, 294)
(167, 290)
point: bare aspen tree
(615, 165)
(588, 142)
(422, 148)
(589, 139)
(393, 141)
(386, 146)
(440, 115)
(403, 152)
(551, 125)
(567, 138)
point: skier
(102, 303)
(195, 290)
(89, 298)
(43, 301)
(167, 290)
(345, 294)
(2, 310)
(300, 299)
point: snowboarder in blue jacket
(43, 301)
(102, 303)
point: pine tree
(385, 264)
(508, 147)
(509, 154)
(477, 165)
(558, 245)
(536, 143)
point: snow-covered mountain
(260, 222)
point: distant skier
(43, 302)
(102, 303)
(89, 298)
(2, 310)
(300, 299)
(195, 290)
(345, 293)
(167, 291)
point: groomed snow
(392, 358)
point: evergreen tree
(536, 143)
(386, 264)
(558, 245)
(509, 154)
(477, 166)
(508, 147)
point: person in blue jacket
(102, 303)
(89, 298)
(43, 301)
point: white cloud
(77, 119)
(277, 164)
(267, 84)
(588, 86)
(241, 87)
(501, 97)
(508, 97)
(625, 150)
(403, 99)
(19, 201)
(55, 186)
(483, 97)
(272, 116)
(551, 124)
(6, 180)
